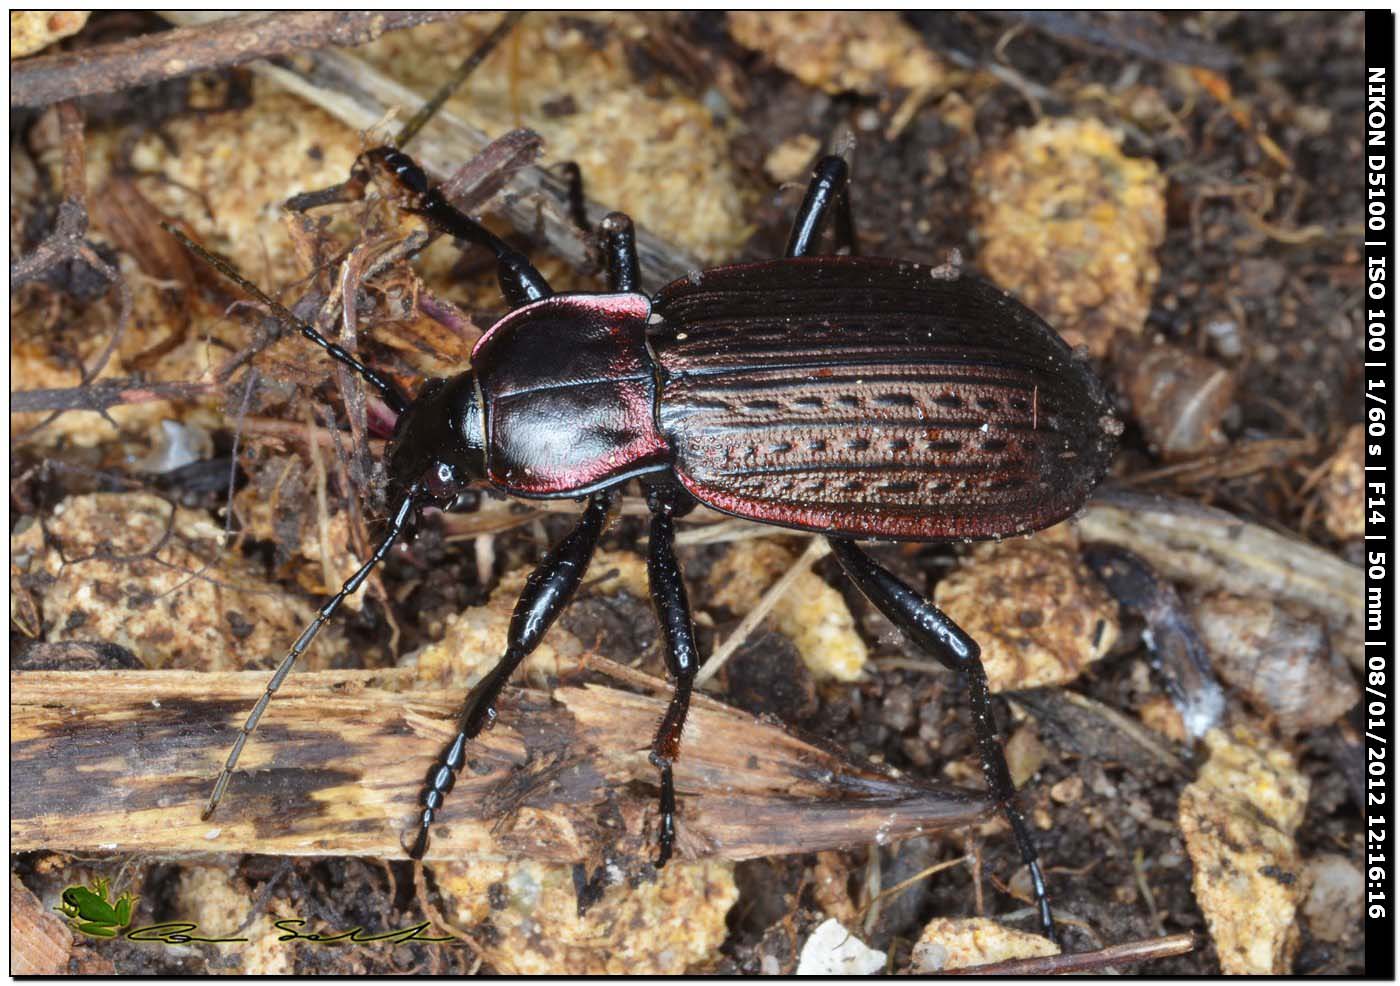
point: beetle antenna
(488, 44)
(387, 391)
(327, 610)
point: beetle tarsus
(666, 837)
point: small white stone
(834, 951)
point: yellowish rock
(218, 902)
(34, 30)
(1238, 818)
(126, 571)
(1034, 607)
(811, 613)
(662, 927)
(791, 160)
(955, 943)
(1069, 224)
(864, 51)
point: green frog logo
(88, 910)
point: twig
(974, 858)
(174, 54)
(816, 550)
(323, 523)
(1140, 873)
(873, 877)
(1139, 951)
(293, 432)
(108, 393)
(478, 55)
(68, 242)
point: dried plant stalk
(122, 760)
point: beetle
(854, 397)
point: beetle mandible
(854, 397)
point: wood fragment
(122, 761)
(152, 58)
(1213, 549)
(1139, 34)
(40, 942)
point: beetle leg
(578, 210)
(619, 237)
(547, 592)
(682, 658)
(826, 191)
(620, 252)
(944, 640)
(520, 282)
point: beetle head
(439, 442)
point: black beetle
(855, 397)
